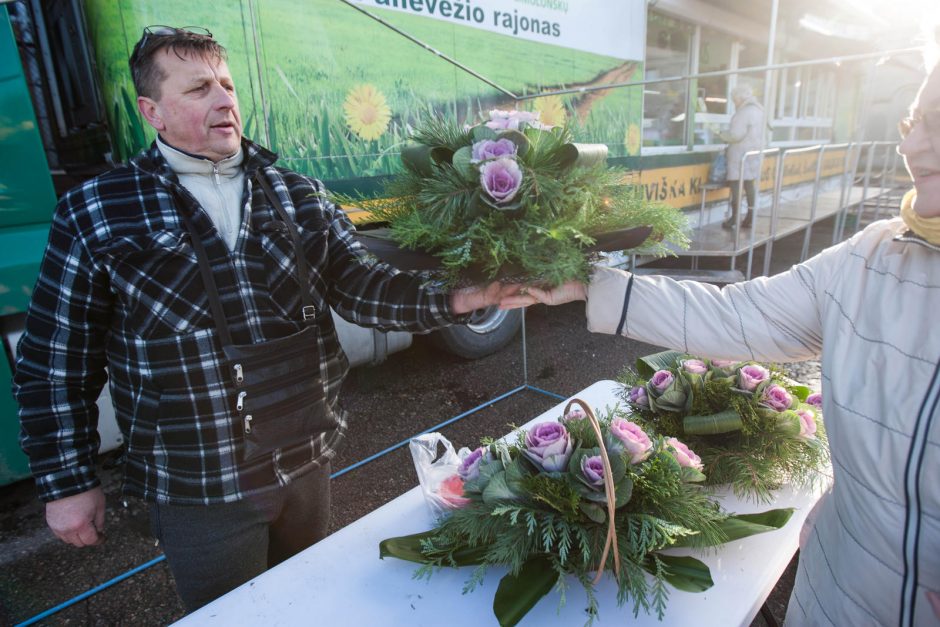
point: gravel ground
(413, 390)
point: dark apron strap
(205, 268)
(309, 311)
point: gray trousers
(212, 549)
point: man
(124, 285)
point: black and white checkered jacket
(119, 287)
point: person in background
(869, 307)
(123, 286)
(745, 134)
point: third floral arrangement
(514, 197)
(577, 496)
(753, 427)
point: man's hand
(525, 296)
(479, 297)
(78, 519)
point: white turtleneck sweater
(217, 186)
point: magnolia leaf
(408, 548)
(517, 594)
(498, 490)
(483, 132)
(800, 391)
(582, 155)
(684, 573)
(417, 158)
(593, 511)
(726, 421)
(520, 140)
(624, 491)
(461, 163)
(647, 366)
(442, 154)
(743, 525)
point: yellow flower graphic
(633, 139)
(552, 110)
(367, 113)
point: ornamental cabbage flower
(575, 413)
(469, 468)
(684, 455)
(661, 380)
(492, 149)
(668, 392)
(503, 120)
(815, 399)
(694, 366)
(635, 441)
(638, 396)
(776, 398)
(592, 467)
(451, 490)
(752, 375)
(722, 363)
(501, 179)
(807, 423)
(549, 446)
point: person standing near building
(745, 134)
(201, 276)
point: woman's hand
(564, 293)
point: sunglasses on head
(160, 30)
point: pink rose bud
(722, 363)
(576, 413)
(593, 470)
(638, 396)
(661, 380)
(694, 366)
(451, 490)
(752, 375)
(776, 397)
(807, 423)
(635, 441)
(815, 399)
(684, 454)
(470, 467)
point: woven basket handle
(609, 492)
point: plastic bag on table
(441, 485)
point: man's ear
(151, 112)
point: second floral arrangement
(754, 428)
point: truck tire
(488, 331)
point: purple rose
(684, 454)
(503, 120)
(661, 380)
(470, 466)
(807, 423)
(635, 441)
(501, 179)
(815, 399)
(638, 396)
(575, 413)
(776, 397)
(694, 366)
(492, 149)
(752, 375)
(548, 446)
(593, 470)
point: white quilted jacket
(871, 307)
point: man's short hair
(188, 40)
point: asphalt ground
(412, 391)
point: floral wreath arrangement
(577, 496)
(511, 197)
(754, 428)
